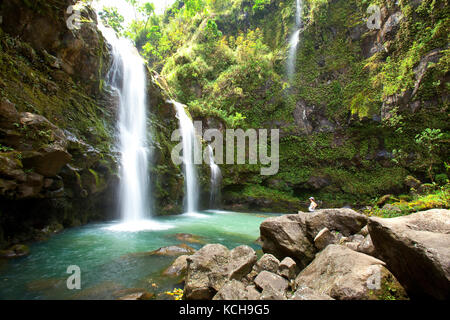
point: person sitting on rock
(313, 205)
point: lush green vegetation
(226, 61)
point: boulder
(242, 259)
(291, 235)
(352, 245)
(180, 249)
(287, 268)
(305, 293)
(267, 262)
(212, 266)
(344, 274)
(344, 220)
(367, 247)
(324, 238)
(270, 281)
(236, 290)
(206, 272)
(187, 237)
(286, 236)
(270, 294)
(231, 290)
(416, 248)
(177, 268)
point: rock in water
(344, 274)
(416, 249)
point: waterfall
(190, 144)
(216, 179)
(127, 78)
(294, 40)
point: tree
(147, 9)
(429, 141)
(112, 18)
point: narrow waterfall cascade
(190, 144)
(294, 40)
(216, 180)
(128, 79)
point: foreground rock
(212, 266)
(286, 236)
(416, 248)
(302, 235)
(177, 268)
(236, 290)
(344, 274)
(305, 293)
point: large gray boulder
(344, 274)
(206, 272)
(344, 220)
(212, 266)
(305, 293)
(286, 236)
(236, 290)
(272, 284)
(416, 248)
(293, 235)
(242, 259)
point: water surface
(107, 257)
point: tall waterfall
(190, 144)
(293, 41)
(216, 179)
(127, 78)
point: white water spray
(190, 144)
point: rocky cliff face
(57, 123)
(58, 162)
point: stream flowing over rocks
(330, 254)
